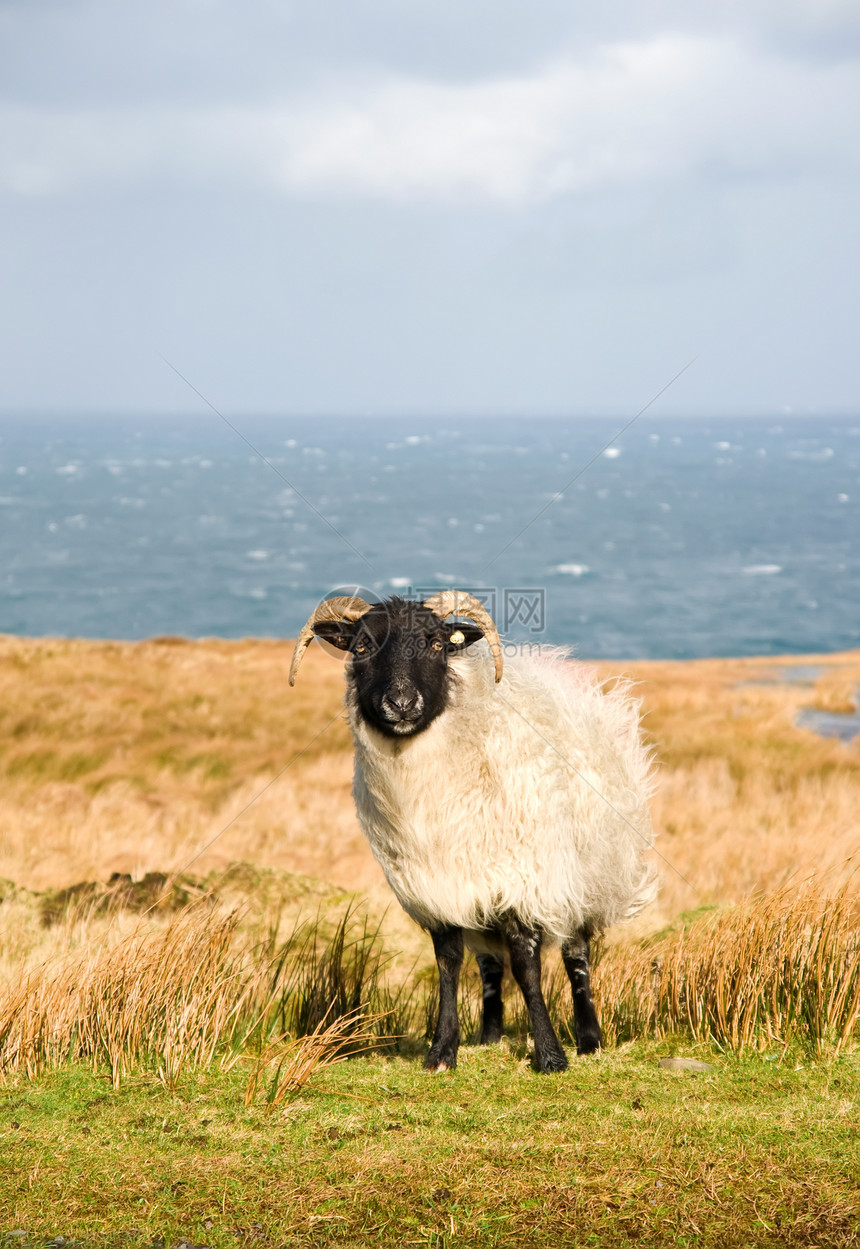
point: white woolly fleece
(529, 796)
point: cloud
(663, 108)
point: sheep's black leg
(524, 945)
(575, 953)
(492, 971)
(448, 944)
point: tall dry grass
(780, 971)
(200, 989)
(162, 1000)
(167, 755)
(140, 757)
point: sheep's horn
(459, 603)
(345, 608)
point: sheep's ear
(339, 632)
(462, 635)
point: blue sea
(684, 537)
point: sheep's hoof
(588, 1045)
(552, 1062)
(491, 1035)
(440, 1060)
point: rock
(686, 1064)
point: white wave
(257, 554)
(815, 456)
(572, 570)
(761, 570)
(612, 453)
(400, 583)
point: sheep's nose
(402, 703)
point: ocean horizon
(681, 538)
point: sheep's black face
(400, 668)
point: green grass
(618, 1150)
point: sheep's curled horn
(458, 603)
(446, 603)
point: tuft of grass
(179, 997)
(286, 1065)
(160, 1001)
(780, 970)
(324, 975)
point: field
(172, 814)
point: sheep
(506, 799)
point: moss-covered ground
(754, 1152)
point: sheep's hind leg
(575, 952)
(448, 944)
(524, 946)
(492, 971)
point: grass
(173, 1025)
(133, 757)
(168, 999)
(749, 1154)
(781, 972)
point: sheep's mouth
(394, 725)
(401, 726)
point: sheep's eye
(359, 648)
(436, 645)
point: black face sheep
(507, 805)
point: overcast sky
(361, 206)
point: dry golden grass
(745, 799)
(781, 969)
(287, 1064)
(131, 757)
(171, 998)
(167, 755)
(203, 987)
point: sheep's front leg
(448, 944)
(524, 946)
(492, 971)
(575, 952)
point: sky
(470, 206)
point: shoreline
(790, 658)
